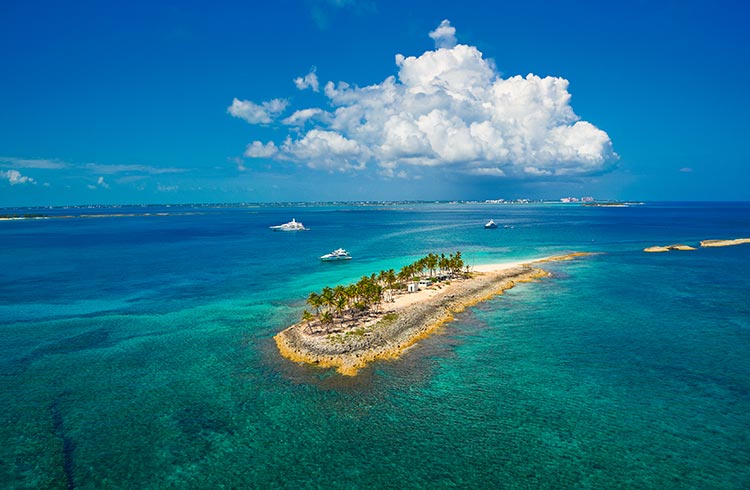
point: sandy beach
(399, 324)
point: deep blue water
(137, 351)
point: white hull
(334, 259)
(336, 255)
(291, 226)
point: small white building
(412, 287)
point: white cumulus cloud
(308, 81)
(487, 171)
(15, 177)
(257, 149)
(253, 113)
(449, 108)
(327, 149)
(299, 118)
(444, 35)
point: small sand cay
(400, 323)
(724, 243)
(667, 248)
(704, 243)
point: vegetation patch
(387, 320)
(343, 308)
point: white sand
(402, 299)
(500, 266)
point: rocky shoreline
(394, 329)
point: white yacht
(291, 226)
(338, 254)
(490, 225)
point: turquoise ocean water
(137, 352)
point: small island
(382, 315)
(667, 248)
(724, 243)
(704, 243)
(17, 216)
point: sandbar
(704, 243)
(667, 248)
(724, 243)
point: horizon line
(497, 201)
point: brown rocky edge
(399, 325)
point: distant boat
(490, 225)
(338, 254)
(291, 226)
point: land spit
(398, 325)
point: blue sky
(157, 102)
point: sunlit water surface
(137, 351)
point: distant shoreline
(88, 216)
(410, 317)
(10, 208)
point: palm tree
(374, 293)
(327, 297)
(431, 261)
(307, 317)
(315, 301)
(443, 263)
(362, 292)
(339, 295)
(459, 261)
(407, 273)
(327, 319)
(389, 279)
(340, 303)
(352, 293)
(381, 277)
(420, 266)
(390, 276)
(368, 291)
(456, 263)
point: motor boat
(291, 226)
(490, 225)
(338, 254)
